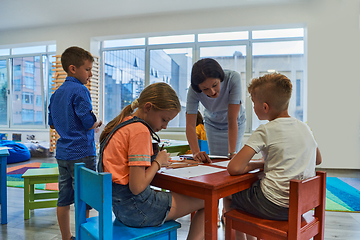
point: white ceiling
(18, 14)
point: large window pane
(286, 58)
(4, 52)
(26, 85)
(49, 77)
(173, 66)
(3, 92)
(168, 58)
(124, 42)
(28, 50)
(124, 79)
(225, 36)
(278, 48)
(278, 33)
(172, 39)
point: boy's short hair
(75, 56)
(274, 89)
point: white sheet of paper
(222, 163)
(189, 172)
(225, 163)
(176, 158)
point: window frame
(196, 45)
(44, 79)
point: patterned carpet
(343, 194)
(14, 175)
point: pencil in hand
(162, 147)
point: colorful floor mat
(14, 175)
(342, 194)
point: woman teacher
(220, 93)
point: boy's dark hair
(273, 89)
(75, 56)
(199, 119)
(203, 69)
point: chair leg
(26, 199)
(192, 215)
(229, 232)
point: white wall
(333, 58)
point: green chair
(38, 176)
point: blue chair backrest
(94, 189)
(203, 145)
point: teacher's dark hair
(203, 69)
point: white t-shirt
(289, 151)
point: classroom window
(29, 67)
(29, 82)
(287, 58)
(17, 70)
(38, 101)
(172, 39)
(25, 92)
(173, 67)
(17, 85)
(27, 98)
(3, 92)
(130, 64)
(123, 82)
(39, 116)
(27, 116)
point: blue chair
(95, 189)
(203, 145)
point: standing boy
(288, 148)
(70, 113)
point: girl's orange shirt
(129, 146)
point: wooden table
(210, 187)
(3, 189)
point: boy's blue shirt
(70, 112)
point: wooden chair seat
(304, 223)
(266, 227)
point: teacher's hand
(202, 157)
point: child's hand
(163, 158)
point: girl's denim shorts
(252, 200)
(147, 209)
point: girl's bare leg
(183, 205)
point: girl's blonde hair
(160, 95)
